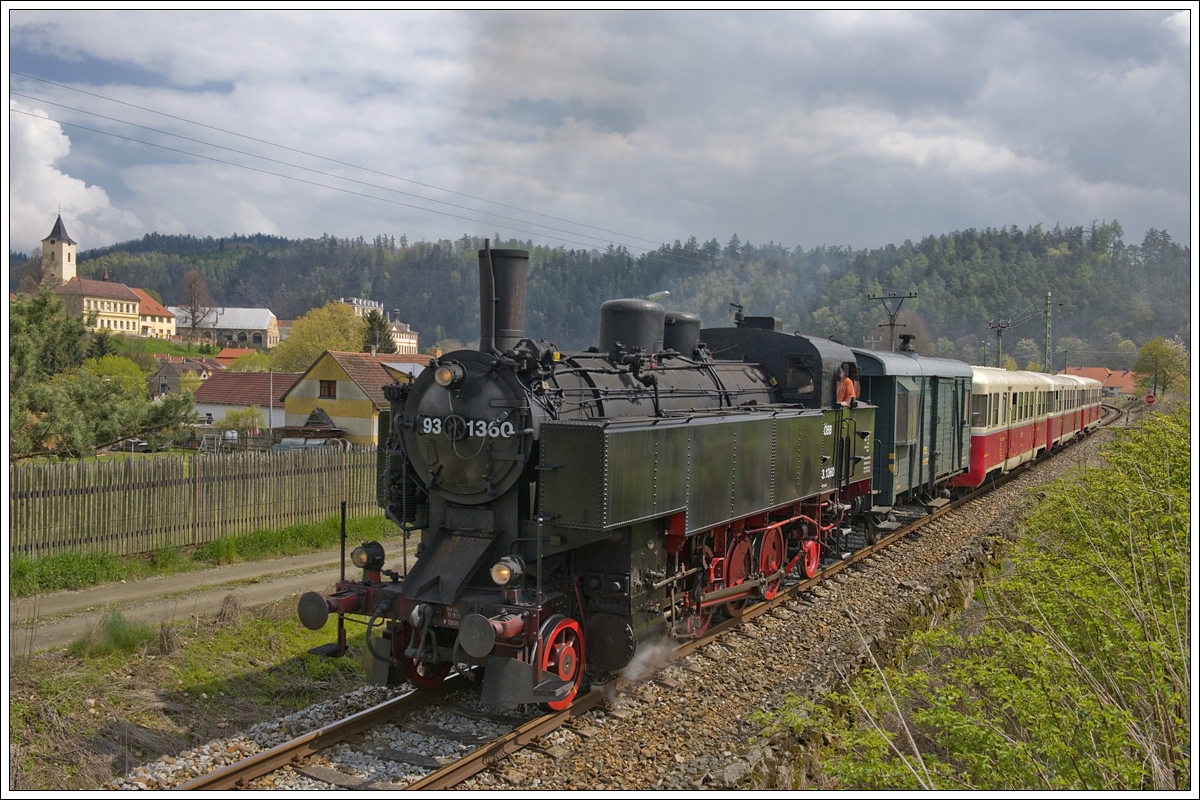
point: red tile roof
(246, 388)
(149, 306)
(367, 370)
(1123, 380)
(228, 354)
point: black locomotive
(576, 507)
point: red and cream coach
(1016, 416)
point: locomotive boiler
(575, 507)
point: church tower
(58, 256)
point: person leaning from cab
(847, 391)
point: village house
(229, 354)
(176, 372)
(231, 391)
(348, 388)
(1113, 382)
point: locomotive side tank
(573, 507)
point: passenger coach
(1016, 416)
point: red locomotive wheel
(562, 657)
(771, 555)
(812, 557)
(421, 674)
(737, 569)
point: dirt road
(55, 620)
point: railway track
(471, 752)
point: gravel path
(691, 726)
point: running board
(933, 505)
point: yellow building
(348, 387)
(156, 322)
(109, 306)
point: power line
(685, 260)
(294, 166)
(646, 254)
(327, 158)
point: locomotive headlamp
(450, 375)
(508, 570)
(369, 556)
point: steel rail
(238, 775)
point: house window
(329, 389)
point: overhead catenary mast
(892, 313)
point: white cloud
(37, 189)
(1180, 24)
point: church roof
(60, 232)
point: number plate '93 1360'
(456, 427)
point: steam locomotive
(577, 508)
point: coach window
(329, 390)
(979, 410)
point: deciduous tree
(197, 302)
(257, 361)
(1161, 364)
(333, 326)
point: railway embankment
(940, 665)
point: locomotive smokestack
(502, 276)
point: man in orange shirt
(846, 391)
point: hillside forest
(1109, 297)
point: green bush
(1080, 676)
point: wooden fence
(143, 504)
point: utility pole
(891, 313)
(999, 328)
(1047, 353)
(872, 341)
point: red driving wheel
(771, 556)
(421, 674)
(562, 656)
(812, 557)
(737, 569)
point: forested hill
(1113, 295)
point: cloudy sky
(584, 128)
